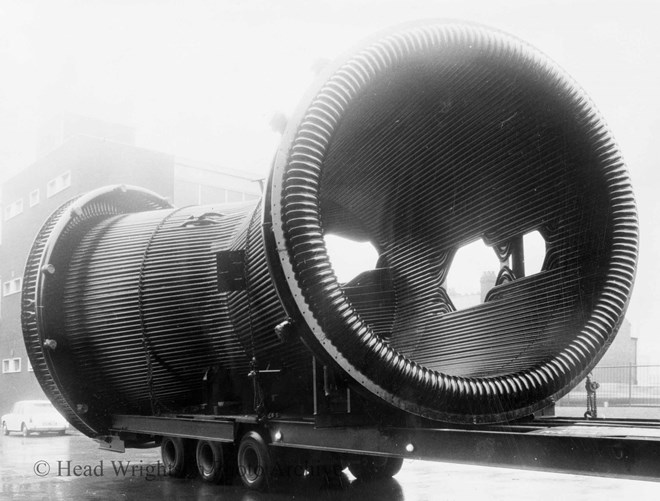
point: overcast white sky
(201, 79)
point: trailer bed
(626, 448)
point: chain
(156, 406)
(258, 402)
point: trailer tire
(374, 467)
(255, 463)
(214, 461)
(177, 456)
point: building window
(11, 365)
(34, 197)
(14, 209)
(61, 182)
(12, 286)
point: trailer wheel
(176, 455)
(255, 463)
(374, 467)
(214, 461)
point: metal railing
(630, 385)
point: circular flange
(44, 276)
(293, 218)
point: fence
(631, 385)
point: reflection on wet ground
(72, 468)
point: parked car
(34, 416)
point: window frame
(32, 199)
(12, 365)
(58, 184)
(14, 209)
(12, 286)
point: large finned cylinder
(422, 141)
(124, 310)
(427, 139)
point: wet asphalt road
(73, 468)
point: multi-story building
(79, 165)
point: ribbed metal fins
(42, 314)
(256, 311)
(425, 141)
(144, 317)
(132, 301)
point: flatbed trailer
(624, 448)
